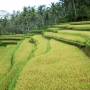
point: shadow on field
(86, 50)
(3, 45)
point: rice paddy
(75, 27)
(47, 61)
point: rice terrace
(41, 49)
(53, 60)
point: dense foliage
(32, 18)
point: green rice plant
(65, 67)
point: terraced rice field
(48, 61)
(76, 26)
(84, 33)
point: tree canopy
(34, 19)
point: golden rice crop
(46, 64)
(23, 51)
(20, 58)
(64, 67)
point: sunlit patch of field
(65, 67)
